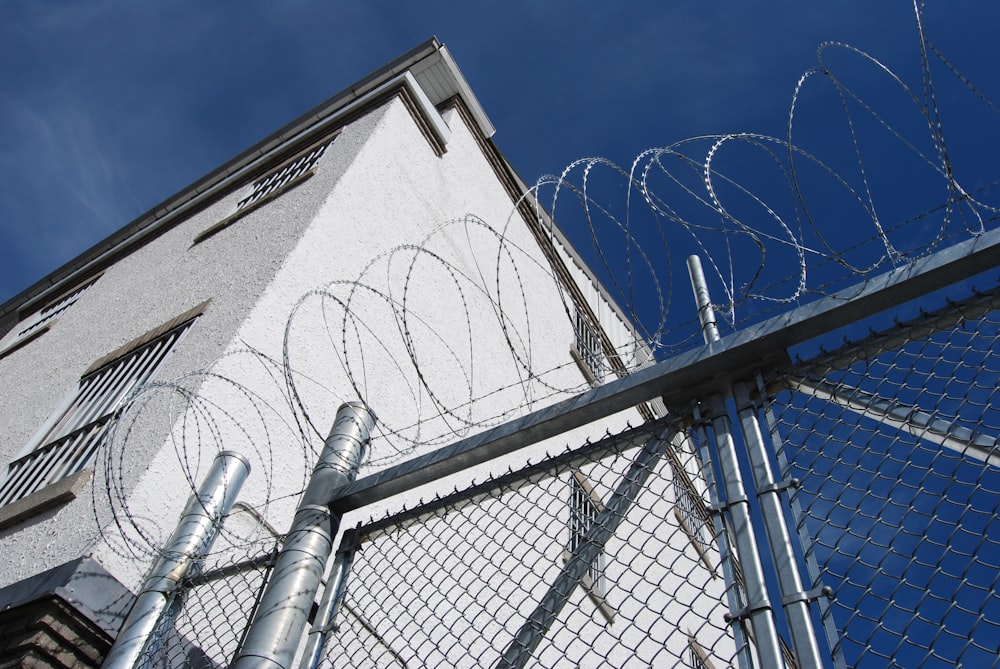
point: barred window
(75, 432)
(697, 658)
(39, 321)
(284, 176)
(691, 510)
(587, 346)
(584, 510)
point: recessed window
(587, 348)
(693, 515)
(41, 320)
(584, 509)
(283, 176)
(72, 436)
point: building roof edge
(429, 63)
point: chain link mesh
(452, 582)
(895, 442)
(209, 614)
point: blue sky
(107, 108)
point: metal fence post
(795, 599)
(733, 593)
(276, 630)
(333, 598)
(812, 568)
(759, 607)
(190, 541)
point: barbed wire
(455, 332)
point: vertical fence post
(733, 593)
(276, 630)
(333, 598)
(190, 541)
(795, 599)
(759, 607)
(812, 569)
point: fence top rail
(689, 374)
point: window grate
(73, 440)
(583, 513)
(588, 345)
(51, 312)
(283, 176)
(692, 512)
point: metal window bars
(52, 311)
(284, 175)
(588, 346)
(73, 439)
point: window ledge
(253, 206)
(62, 491)
(23, 341)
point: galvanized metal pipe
(276, 631)
(333, 598)
(805, 541)
(706, 314)
(796, 605)
(195, 532)
(715, 495)
(759, 608)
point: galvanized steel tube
(277, 627)
(706, 314)
(759, 608)
(190, 541)
(796, 605)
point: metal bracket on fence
(746, 611)
(820, 591)
(728, 504)
(780, 486)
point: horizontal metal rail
(717, 363)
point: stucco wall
(453, 323)
(138, 293)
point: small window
(584, 509)
(587, 348)
(284, 176)
(693, 515)
(73, 435)
(40, 321)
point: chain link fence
(639, 550)
(211, 609)
(894, 440)
(460, 581)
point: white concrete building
(377, 248)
